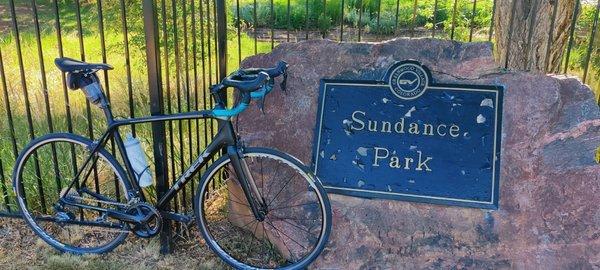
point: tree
(533, 33)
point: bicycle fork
(255, 200)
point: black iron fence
(166, 54)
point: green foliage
(378, 16)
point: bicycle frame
(224, 139)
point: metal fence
(166, 54)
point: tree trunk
(527, 37)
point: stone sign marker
(548, 215)
(405, 137)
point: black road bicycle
(255, 207)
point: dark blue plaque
(405, 137)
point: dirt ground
(20, 248)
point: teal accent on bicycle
(259, 94)
(230, 112)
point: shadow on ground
(20, 248)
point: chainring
(153, 223)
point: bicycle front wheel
(42, 172)
(298, 214)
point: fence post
(222, 38)
(156, 108)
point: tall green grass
(192, 135)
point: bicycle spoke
(287, 237)
(69, 227)
(286, 183)
(273, 176)
(300, 228)
(284, 244)
(292, 206)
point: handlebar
(253, 83)
(246, 84)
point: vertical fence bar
(255, 20)
(588, 56)
(414, 19)
(195, 64)
(178, 94)
(306, 20)
(125, 31)
(216, 43)
(216, 51)
(453, 19)
(360, 13)
(550, 35)
(289, 20)
(435, 8)
(165, 36)
(222, 37)
(59, 43)
(187, 84)
(45, 92)
(491, 30)
(342, 23)
(397, 16)
(571, 34)
(239, 37)
(209, 56)
(106, 84)
(88, 108)
(9, 117)
(156, 108)
(324, 14)
(4, 189)
(472, 26)
(82, 56)
(79, 29)
(510, 31)
(16, 34)
(203, 60)
(103, 49)
(272, 23)
(379, 15)
(10, 127)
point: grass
(21, 249)
(187, 138)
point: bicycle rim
(70, 228)
(297, 222)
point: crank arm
(185, 219)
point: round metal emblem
(408, 81)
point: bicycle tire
(289, 160)
(23, 157)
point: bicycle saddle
(71, 65)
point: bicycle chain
(104, 202)
(100, 201)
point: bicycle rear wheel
(298, 214)
(42, 172)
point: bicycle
(246, 206)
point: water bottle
(137, 157)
